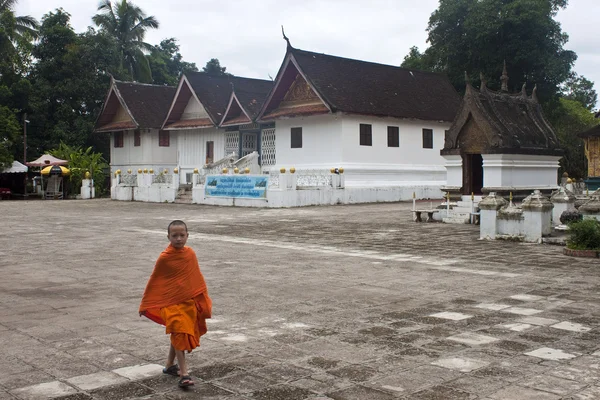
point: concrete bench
(429, 213)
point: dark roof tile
(214, 92)
(149, 104)
(367, 88)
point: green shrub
(585, 235)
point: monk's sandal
(172, 370)
(186, 381)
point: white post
(489, 214)
(537, 212)
(414, 201)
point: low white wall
(151, 194)
(277, 198)
(520, 171)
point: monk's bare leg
(183, 371)
(171, 357)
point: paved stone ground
(344, 303)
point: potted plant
(584, 240)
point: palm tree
(128, 24)
(15, 29)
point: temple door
(472, 173)
(249, 143)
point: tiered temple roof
(312, 83)
(491, 122)
(131, 105)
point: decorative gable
(186, 110)
(293, 96)
(122, 115)
(299, 93)
(194, 110)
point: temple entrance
(249, 143)
(472, 173)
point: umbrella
(55, 170)
(16, 168)
(47, 160)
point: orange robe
(176, 296)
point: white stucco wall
(192, 148)
(379, 165)
(520, 171)
(148, 155)
(454, 176)
(321, 137)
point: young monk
(176, 296)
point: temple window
(118, 139)
(393, 136)
(164, 139)
(296, 138)
(428, 138)
(366, 135)
(137, 138)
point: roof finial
(523, 90)
(483, 82)
(232, 86)
(466, 78)
(504, 78)
(285, 37)
(534, 94)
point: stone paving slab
(344, 302)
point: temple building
(383, 124)
(133, 114)
(214, 117)
(591, 137)
(500, 142)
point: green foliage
(167, 63)
(82, 161)
(127, 24)
(69, 80)
(570, 117)
(9, 133)
(14, 30)
(585, 235)
(213, 67)
(479, 35)
(580, 89)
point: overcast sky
(246, 35)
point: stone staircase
(184, 194)
(461, 212)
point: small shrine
(500, 142)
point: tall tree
(128, 24)
(9, 132)
(213, 67)
(14, 29)
(581, 89)
(479, 35)
(569, 117)
(167, 63)
(69, 82)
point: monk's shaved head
(177, 222)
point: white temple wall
(520, 171)
(321, 143)
(149, 155)
(408, 165)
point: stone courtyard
(342, 302)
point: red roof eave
(296, 112)
(190, 123)
(116, 126)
